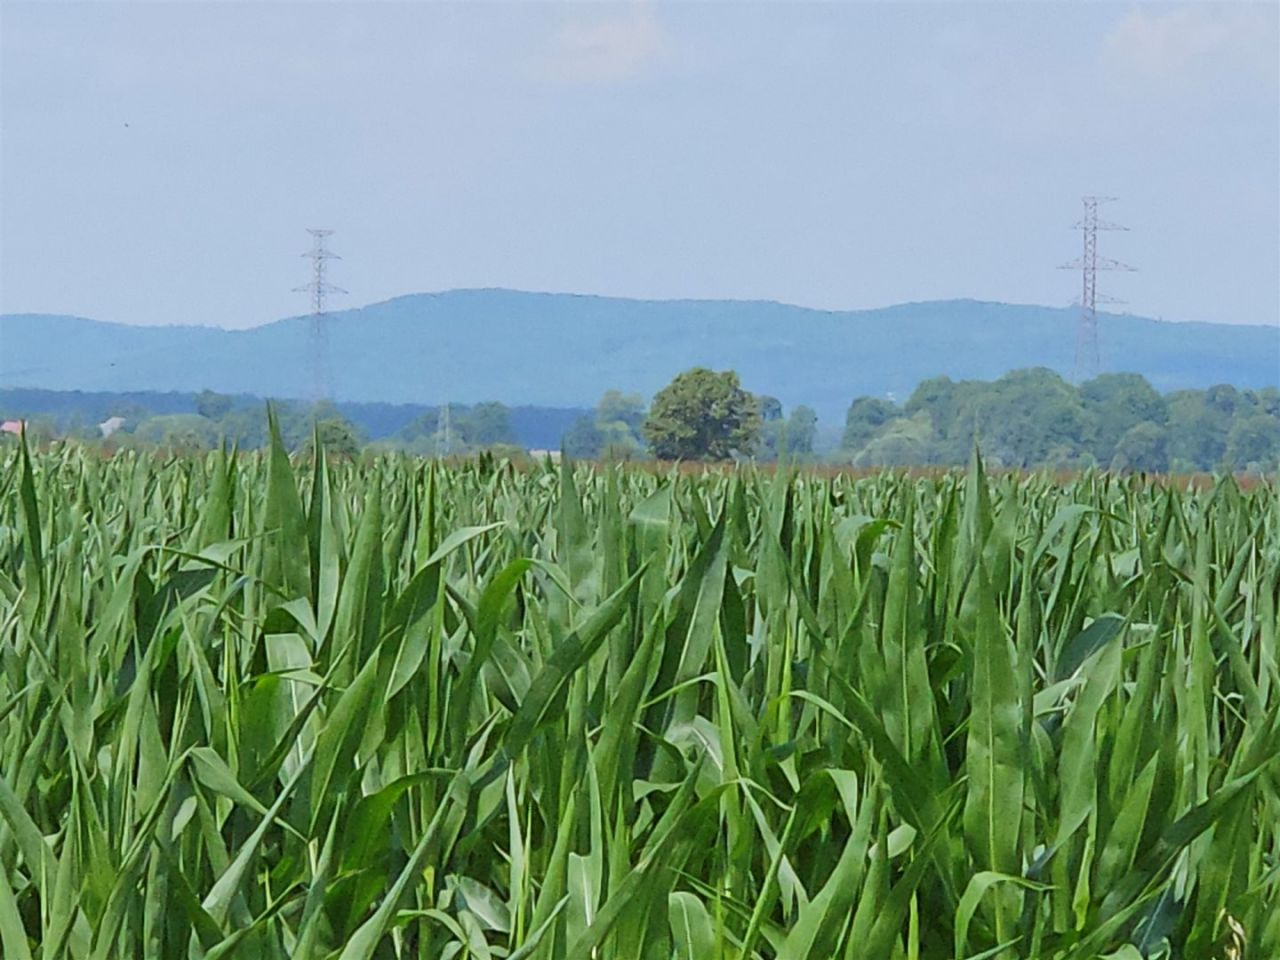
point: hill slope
(564, 350)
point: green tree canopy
(1027, 414)
(702, 415)
(904, 442)
(1144, 447)
(1254, 442)
(1116, 403)
(1033, 418)
(338, 437)
(1198, 429)
(865, 418)
(486, 424)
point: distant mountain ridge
(565, 350)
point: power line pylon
(319, 288)
(1088, 356)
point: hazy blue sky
(160, 161)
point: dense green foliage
(258, 709)
(1032, 418)
(614, 431)
(703, 415)
(1026, 419)
(788, 439)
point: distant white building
(110, 426)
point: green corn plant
(259, 706)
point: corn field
(259, 708)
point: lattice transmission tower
(1088, 355)
(319, 288)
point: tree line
(1035, 418)
(1026, 419)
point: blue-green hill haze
(565, 350)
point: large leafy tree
(702, 415)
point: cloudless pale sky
(161, 161)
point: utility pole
(1088, 356)
(319, 288)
